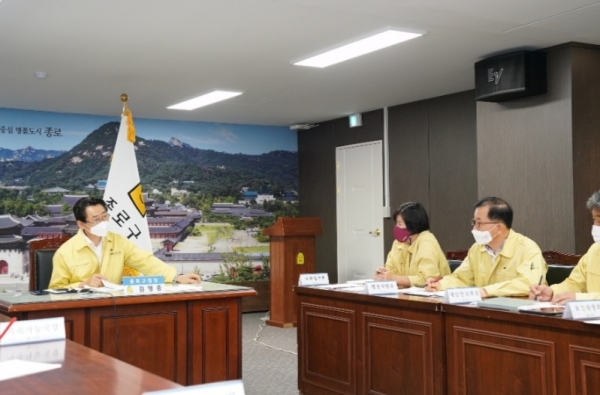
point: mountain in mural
(173, 142)
(27, 154)
(161, 165)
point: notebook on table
(509, 304)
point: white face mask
(596, 233)
(483, 237)
(100, 230)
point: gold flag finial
(127, 113)
(124, 99)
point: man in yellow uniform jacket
(502, 262)
(584, 281)
(95, 254)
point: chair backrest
(558, 273)
(41, 253)
(454, 263)
(560, 265)
(458, 255)
(560, 258)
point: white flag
(123, 194)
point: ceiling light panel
(204, 100)
(358, 48)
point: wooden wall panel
(409, 159)
(585, 370)
(371, 130)
(352, 343)
(409, 154)
(405, 344)
(453, 168)
(525, 155)
(136, 327)
(316, 178)
(328, 364)
(215, 326)
(586, 138)
(215, 334)
(484, 362)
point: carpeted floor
(266, 370)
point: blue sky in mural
(230, 138)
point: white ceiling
(164, 52)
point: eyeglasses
(103, 217)
(477, 224)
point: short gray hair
(594, 201)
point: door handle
(375, 232)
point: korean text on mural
(47, 131)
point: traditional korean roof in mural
(10, 239)
(55, 190)
(72, 199)
(9, 221)
(36, 230)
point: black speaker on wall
(510, 76)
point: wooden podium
(292, 253)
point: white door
(359, 210)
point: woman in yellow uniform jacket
(416, 254)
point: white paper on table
(417, 291)
(354, 288)
(18, 368)
(112, 286)
(184, 288)
(334, 286)
(359, 282)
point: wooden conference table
(84, 371)
(186, 337)
(359, 344)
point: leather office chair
(558, 273)
(560, 258)
(458, 255)
(41, 253)
(560, 265)
(454, 263)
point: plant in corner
(239, 269)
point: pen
(7, 327)
(539, 283)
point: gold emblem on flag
(138, 199)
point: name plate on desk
(232, 387)
(47, 352)
(381, 287)
(462, 295)
(582, 309)
(31, 331)
(144, 285)
(313, 279)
